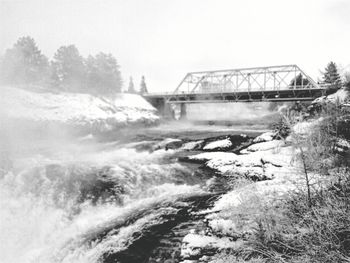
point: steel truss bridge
(274, 83)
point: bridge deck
(239, 96)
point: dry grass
(294, 232)
(316, 230)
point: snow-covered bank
(82, 110)
(340, 96)
(256, 162)
(271, 165)
(262, 176)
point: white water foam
(40, 221)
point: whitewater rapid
(88, 203)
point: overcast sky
(164, 39)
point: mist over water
(53, 207)
(239, 112)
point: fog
(228, 111)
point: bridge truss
(287, 82)
(245, 79)
(276, 83)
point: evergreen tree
(332, 77)
(68, 69)
(143, 87)
(131, 88)
(347, 81)
(298, 82)
(103, 75)
(24, 64)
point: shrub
(282, 127)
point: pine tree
(24, 64)
(68, 69)
(143, 89)
(298, 82)
(347, 81)
(332, 77)
(103, 74)
(131, 88)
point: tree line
(24, 64)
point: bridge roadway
(239, 96)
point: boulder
(252, 166)
(168, 143)
(340, 96)
(263, 146)
(265, 137)
(189, 146)
(342, 146)
(218, 145)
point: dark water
(127, 200)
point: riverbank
(259, 171)
(75, 113)
(286, 202)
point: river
(122, 199)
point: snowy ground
(76, 109)
(264, 173)
(271, 164)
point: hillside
(77, 110)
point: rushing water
(100, 202)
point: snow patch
(260, 165)
(203, 157)
(191, 145)
(221, 144)
(265, 137)
(194, 244)
(132, 101)
(263, 146)
(223, 226)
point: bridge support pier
(163, 107)
(183, 111)
(168, 112)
